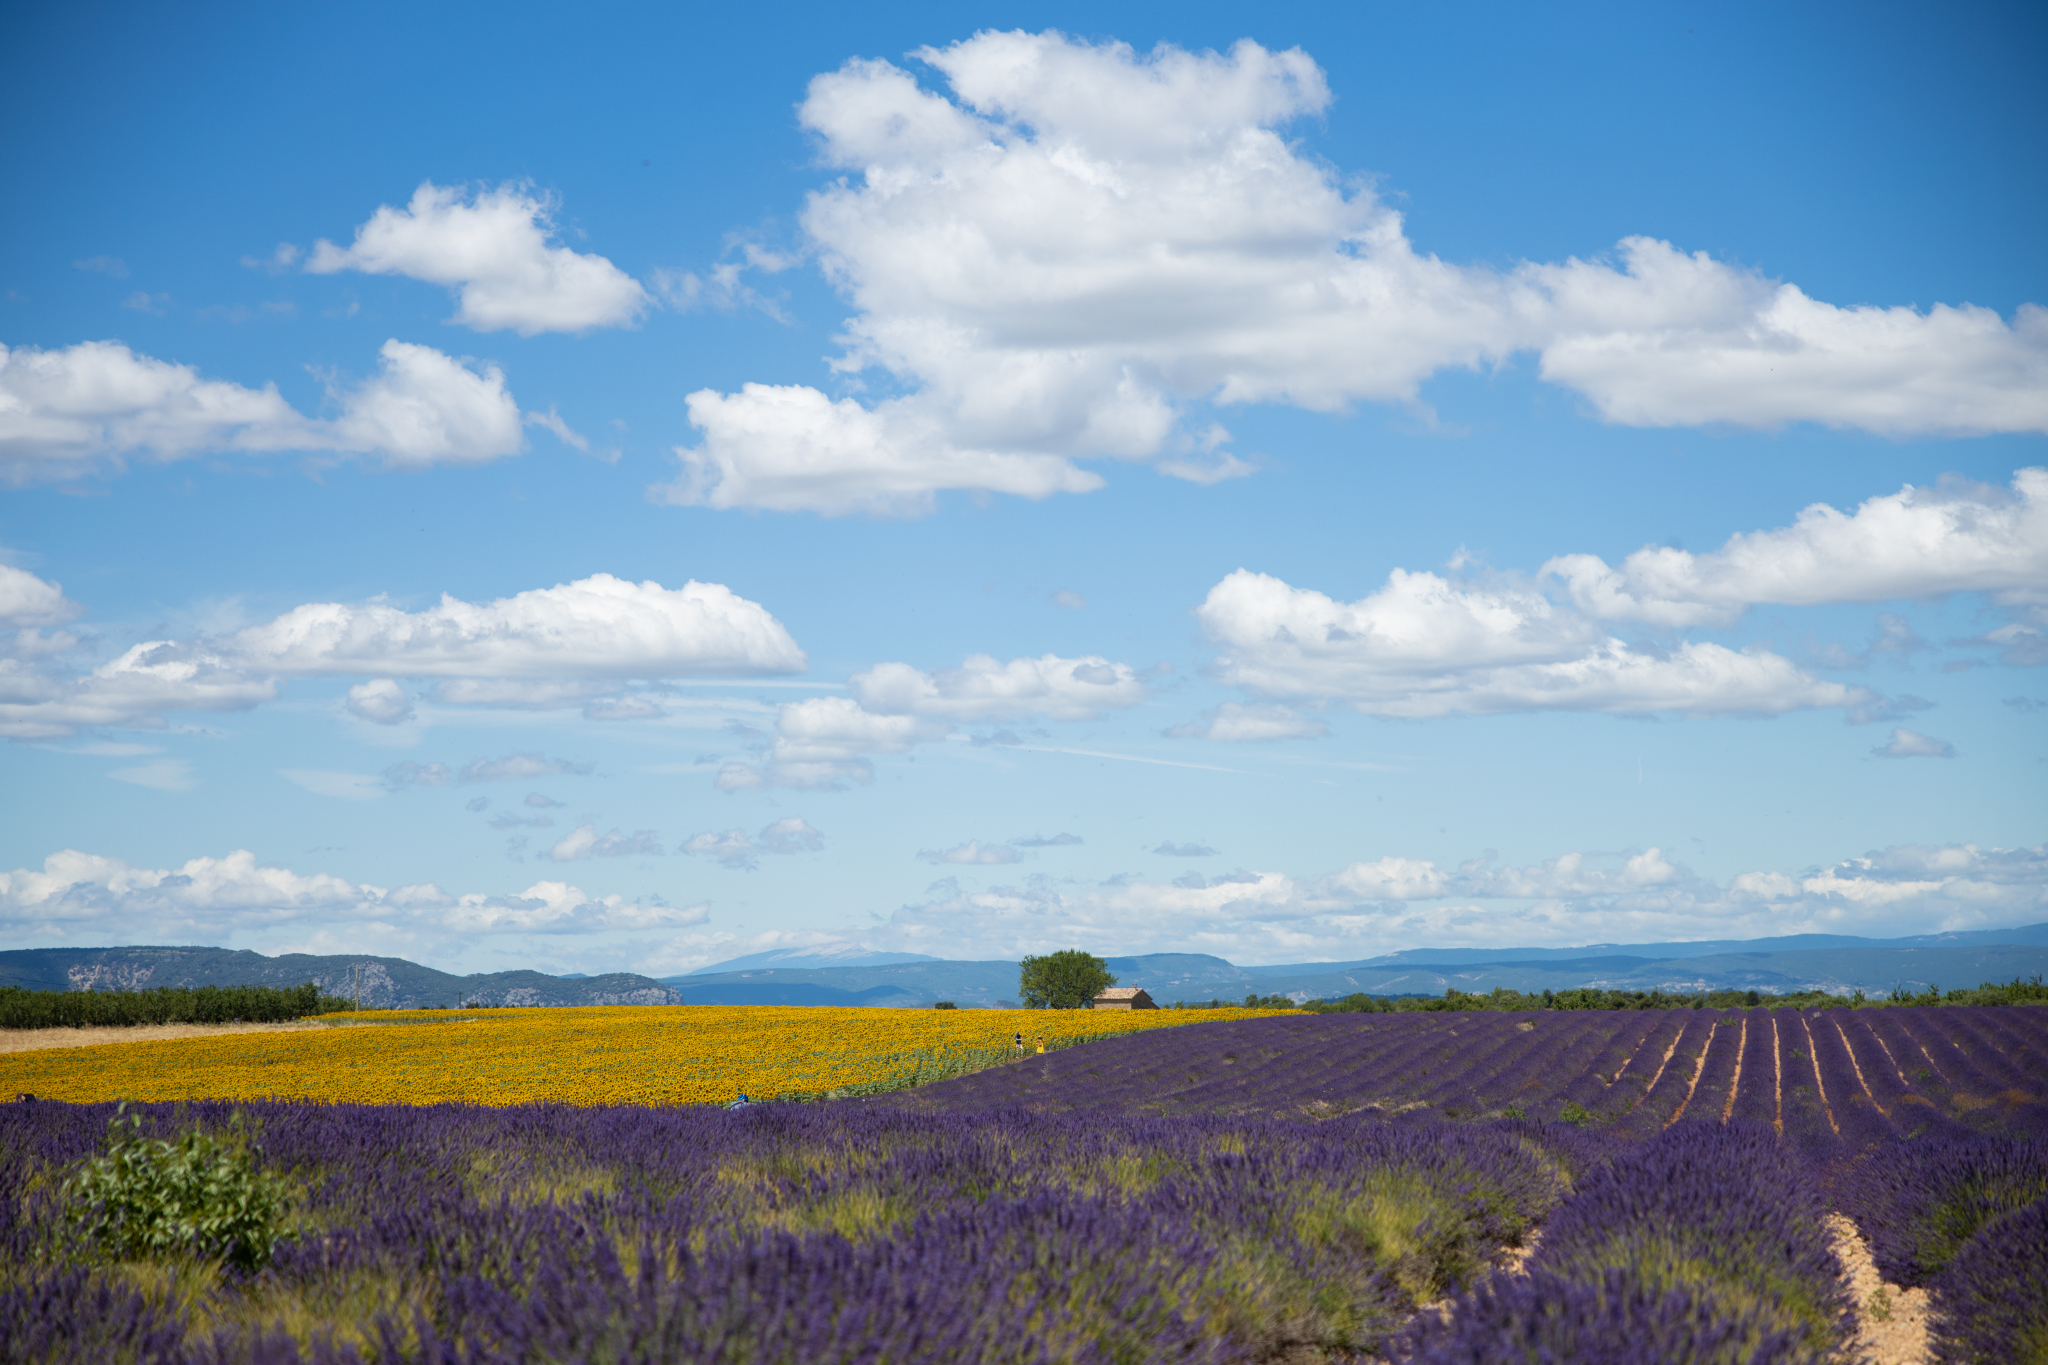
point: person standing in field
(1041, 1044)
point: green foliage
(1574, 1112)
(1066, 980)
(1268, 1002)
(2015, 992)
(169, 1005)
(200, 1194)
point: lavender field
(1828, 1080)
(1290, 1189)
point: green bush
(168, 1005)
(200, 1194)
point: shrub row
(168, 1005)
(2015, 992)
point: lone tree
(1063, 981)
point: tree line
(1073, 978)
(21, 1008)
(2014, 992)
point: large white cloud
(1423, 646)
(983, 689)
(570, 642)
(70, 412)
(76, 893)
(1918, 542)
(135, 689)
(598, 626)
(1682, 340)
(28, 601)
(1058, 258)
(492, 247)
(825, 743)
(1395, 903)
(788, 448)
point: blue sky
(630, 493)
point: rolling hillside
(388, 982)
(1838, 964)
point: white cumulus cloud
(1912, 744)
(28, 601)
(1919, 542)
(72, 412)
(1369, 908)
(381, 701)
(565, 645)
(1424, 646)
(823, 744)
(599, 626)
(983, 689)
(494, 248)
(78, 895)
(1071, 247)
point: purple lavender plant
(1991, 1303)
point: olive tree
(1065, 980)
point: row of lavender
(785, 1233)
(1708, 1243)
(1827, 1078)
(868, 1235)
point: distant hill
(1829, 962)
(1838, 963)
(987, 984)
(2035, 935)
(829, 955)
(388, 982)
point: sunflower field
(629, 1054)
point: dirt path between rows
(33, 1039)
(1891, 1323)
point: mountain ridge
(1833, 962)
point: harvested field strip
(1819, 1086)
(1590, 1089)
(1699, 1066)
(1663, 1062)
(1674, 1079)
(1574, 1062)
(1913, 1039)
(1756, 1098)
(1854, 1065)
(1777, 1077)
(1717, 1078)
(1656, 1046)
(1890, 1060)
(1884, 1083)
(1980, 1035)
(1735, 1082)
(2025, 1053)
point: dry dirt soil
(29, 1039)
